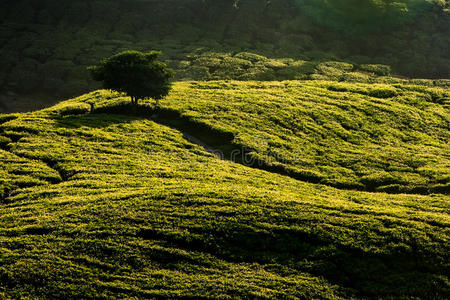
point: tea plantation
(46, 45)
(341, 190)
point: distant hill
(46, 45)
(304, 189)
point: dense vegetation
(294, 157)
(45, 46)
(384, 137)
(105, 203)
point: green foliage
(4, 141)
(64, 37)
(249, 66)
(120, 206)
(343, 134)
(380, 70)
(139, 75)
(17, 172)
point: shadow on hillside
(174, 119)
(213, 140)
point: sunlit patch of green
(346, 135)
(249, 66)
(139, 211)
(17, 172)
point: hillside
(341, 190)
(45, 46)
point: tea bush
(117, 205)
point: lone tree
(139, 75)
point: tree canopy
(139, 75)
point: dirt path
(207, 147)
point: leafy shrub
(275, 64)
(383, 92)
(391, 188)
(355, 77)
(6, 118)
(381, 70)
(211, 63)
(5, 189)
(230, 62)
(4, 141)
(376, 91)
(338, 65)
(250, 57)
(73, 109)
(380, 178)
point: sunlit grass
(122, 206)
(376, 137)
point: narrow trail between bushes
(219, 143)
(205, 146)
